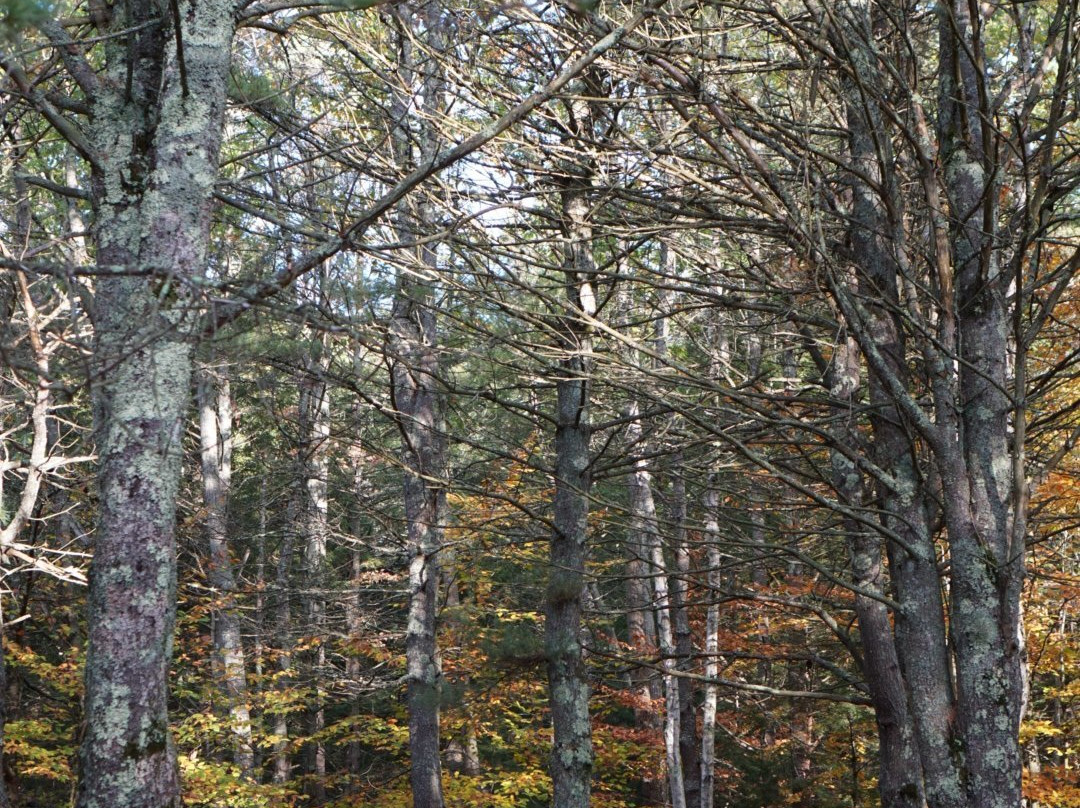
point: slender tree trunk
(314, 443)
(156, 129)
(283, 632)
(641, 636)
(680, 609)
(216, 443)
(643, 522)
(415, 371)
(354, 616)
(5, 799)
(646, 687)
(689, 743)
(711, 504)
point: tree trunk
(216, 444)
(711, 504)
(920, 647)
(684, 643)
(354, 615)
(968, 735)
(283, 632)
(643, 523)
(314, 443)
(156, 129)
(572, 754)
(984, 513)
(415, 371)
(641, 637)
(900, 776)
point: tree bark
(282, 759)
(156, 129)
(314, 443)
(900, 775)
(216, 445)
(711, 504)
(967, 735)
(641, 637)
(418, 405)
(984, 515)
(689, 743)
(572, 754)
(643, 523)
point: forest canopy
(547, 403)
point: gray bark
(155, 132)
(984, 515)
(415, 371)
(314, 443)
(916, 658)
(354, 614)
(689, 743)
(900, 776)
(680, 611)
(967, 734)
(282, 760)
(216, 444)
(572, 754)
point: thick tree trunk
(900, 776)
(919, 646)
(423, 456)
(156, 129)
(571, 759)
(216, 444)
(984, 513)
(967, 736)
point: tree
(157, 107)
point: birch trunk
(643, 523)
(641, 637)
(711, 504)
(216, 445)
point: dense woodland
(625, 403)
